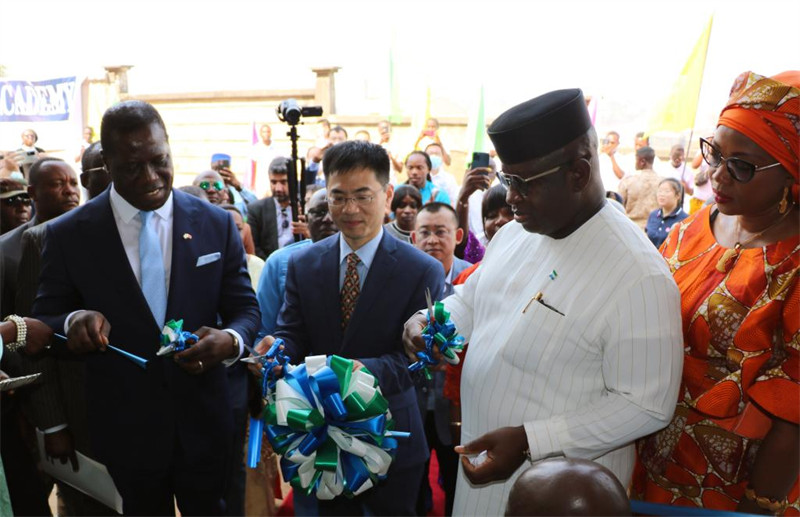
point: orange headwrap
(767, 111)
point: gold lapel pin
(187, 236)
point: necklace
(728, 259)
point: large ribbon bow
(441, 332)
(332, 426)
(174, 339)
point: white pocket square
(208, 259)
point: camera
(290, 112)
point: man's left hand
(230, 178)
(506, 452)
(213, 347)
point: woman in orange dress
(733, 443)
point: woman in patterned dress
(733, 443)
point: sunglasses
(285, 219)
(206, 185)
(520, 185)
(20, 199)
(740, 170)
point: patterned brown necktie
(350, 289)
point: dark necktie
(350, 289)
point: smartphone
(220, 161)
(480, 160)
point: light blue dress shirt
(272, 286)
(366, 253)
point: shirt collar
(449, 279)
(127, 211)
(366, 252)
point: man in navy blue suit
(113, 271)
(365, 284)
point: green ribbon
(304, 419)
(327, 456)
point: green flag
(476, 129)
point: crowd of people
(609, 316)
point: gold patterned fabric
(350, 289)
(741, 368)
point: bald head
(563, 486)
(213, 185)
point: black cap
(540, 126)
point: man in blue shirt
(272, 283)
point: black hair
(427, 160)
(640, 134)
(36, 168)
(647, 153)
(231, 208)
(279, 166)
(423, 154)
(92, 156)
(676, 186)
(494, 199)
(356, 154)
(434, 207)
(340, 128)
(406, 190)
(124, 117)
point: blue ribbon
(440, 332)
(324, 392)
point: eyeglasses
(94, 169)
(440, 234)
(206, 185)
(510, 181)
(360, 200)
(20, 199)
(740, 170)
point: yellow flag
(677, 112)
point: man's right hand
(412, 335)
(59, 445)
(88, 332)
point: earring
(783, 206)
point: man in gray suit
(436, 232)
(270, 218)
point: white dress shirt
(584, 384)
(129, 225)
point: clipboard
(92, 477)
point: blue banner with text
(37, 101)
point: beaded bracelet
(776, 507)
(22, 332)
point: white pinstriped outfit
(585, 384)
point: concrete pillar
(325, 94)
